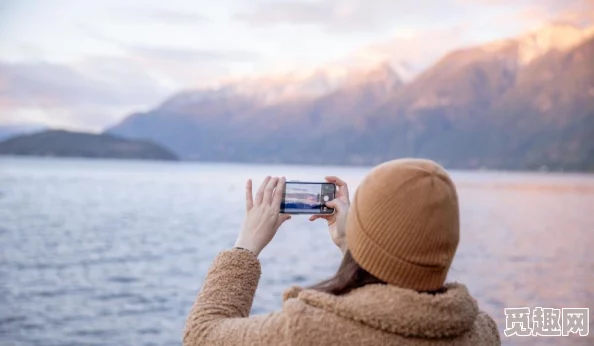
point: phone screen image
(307, 198)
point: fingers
(281, 219)
(315, 217)
(334, 204)
(278, 193)
(336, 180)
(249, 198)
(260, 193)
(343, 189)
(269, 190)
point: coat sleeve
(220, 313)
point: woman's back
(399, 239)
(375, 314)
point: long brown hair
(349, 276)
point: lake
(100, 252)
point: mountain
(510, 104)
(242, 124)
(76, 144)
(551, 108)
(521, 103)
(8, 131)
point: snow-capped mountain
(518, 103)
(513, 53)
(307, 84)
(478, 76)
(553, 37)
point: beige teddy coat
(372, 315)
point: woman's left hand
(263, 216)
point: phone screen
(307, 198)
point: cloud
(188, 68)
(289, 12)
(60, 85)
(96, 92)
(411, 52)
(78, 119)
(578, 12)
(192, 55)
(172, 54)
(371, 15)
(533, 15)
(540, 12)
(174, 66)
(359, 15)
(171, 16)
(163, 15)
(88, 95)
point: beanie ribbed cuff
(390, 268)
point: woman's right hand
(337, 221)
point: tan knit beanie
(403, 226)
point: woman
(399, 238)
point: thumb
(282, 218)
(334, 204)
(317, 216)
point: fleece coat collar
(399, 311)
(372, 315)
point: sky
(86, 64)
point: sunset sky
(87, 64)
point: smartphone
(307, 198)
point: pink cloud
(89, 93)
(530, 14)
(411, 52)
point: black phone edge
(282, 211)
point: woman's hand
(337, 221)
(263, 216)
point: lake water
(113, 252)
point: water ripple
(113, 253)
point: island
(60, 143)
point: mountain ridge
(455, 111)
(62, 143)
